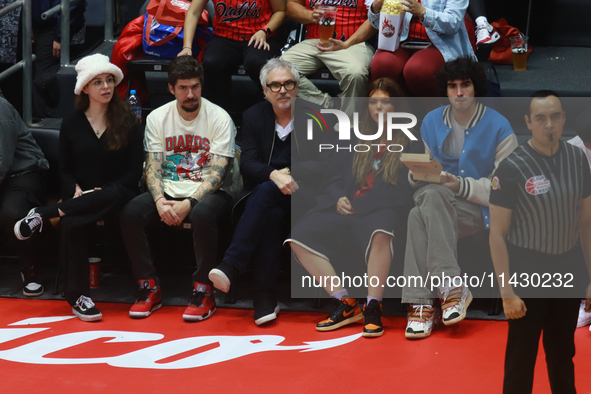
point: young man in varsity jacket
(469, 140)
(540, 204)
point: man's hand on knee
(167, 213)
(284, 181)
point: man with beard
(189, 146)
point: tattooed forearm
(154, 174)
(220, 165)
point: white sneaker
(486, 34)
(419, 321)
(584, 317)
(454, 304)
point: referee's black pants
(556, 318)
(223, 56)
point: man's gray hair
(274, 63)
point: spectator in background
(583, 141)
(436, 22)
(469, 140)
(101, 161)
(47, 48)
(244, 33)
(485, 33)
(47, 34)
(347, 58)
(21, 185)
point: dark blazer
(256, 143)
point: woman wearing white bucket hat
(101, 157)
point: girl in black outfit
(101, 157)
(365, 197)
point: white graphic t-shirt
(188, 147)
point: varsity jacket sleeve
(478, 190)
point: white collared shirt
(283, 132)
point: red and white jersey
(239, 20)
(350, 15)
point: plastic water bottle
(135, 105)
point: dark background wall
(553, 22)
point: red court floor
(230, 354)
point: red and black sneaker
(373, 326)
(346, 312)
(148, 299)
(202, 304)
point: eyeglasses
(99, 83)
(275, 87)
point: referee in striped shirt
(540, 203)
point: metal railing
(64, 8)
(27, 63)
(28, 58)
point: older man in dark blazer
(265, 164)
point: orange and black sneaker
(347, 312)
(373, 319)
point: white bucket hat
(93, 65)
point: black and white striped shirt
(544, 193)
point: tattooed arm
(153, 173)
(155, 184)
(220, 165)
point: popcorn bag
(391, 17)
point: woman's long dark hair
(391, 165)
(120, 120)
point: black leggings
(82, 213)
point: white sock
(340, 294)
(481, 21)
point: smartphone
(416, 44)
